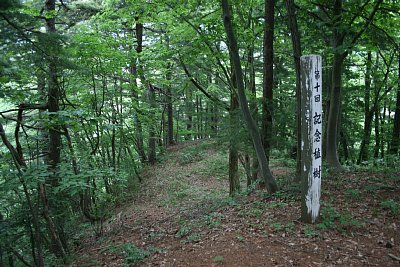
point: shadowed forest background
(121, 116)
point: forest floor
(184, 217)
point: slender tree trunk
(334, 114)
(10, 260)
(213, 119)
(345, 145)
(201, 115)
(364, 148)
(152, 131)
(189, 113)
(326, 90)
(333, 130)
(177, 126)
(395, 142)
(170, 128)
(162, 136)
(251, 125)
(382, 130)
(198, 122)
(57, 244)
(234, 182)
(54, 146)
(339, 35)
(135, 97)
(377, 134)
(253, 165)
(113, 137)
(1, 247)
(294, 33)
(268, 75)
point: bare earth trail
(183, 217)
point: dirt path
(183, 218)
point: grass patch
(178, 190)
(279, 227)
(214, 219)
(392, 206)
(218, 259)
(215, 166)
(184, 230)
(253, 212)
(352, 193)
(195, 237)
(195, 152)
(332, 219)
(131, 253)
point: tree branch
(368, 22)
(209, 96)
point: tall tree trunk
(177, 126)
(251, 125)
(395, 142)
(377, 134)
(294, 33)
(268, 75)
(189, 113)
(383, 129)
(54, 146)
(135, 97)
(250, 163)
(213, 119)
(334, 114)
(339, 35)
(152, 131)
(345, 145)
(198, 118)
(333, 130)
(170, 123)
(234, 182)
(364, 148)
(1, 247)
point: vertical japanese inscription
(311, 114)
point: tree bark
(268, 75)
(296, 44)
(334, 114)
(54, 148)
(377, 134)
(135, 97)
(189, 113)
(395, 142)
(234, 182)
(251, 125)
(170, 118)
(152, 131)
(364, 148)
(339, 35)
(252, 162)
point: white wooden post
(311, 127)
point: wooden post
(311, 127)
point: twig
(394, 257)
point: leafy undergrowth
(183, 217)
